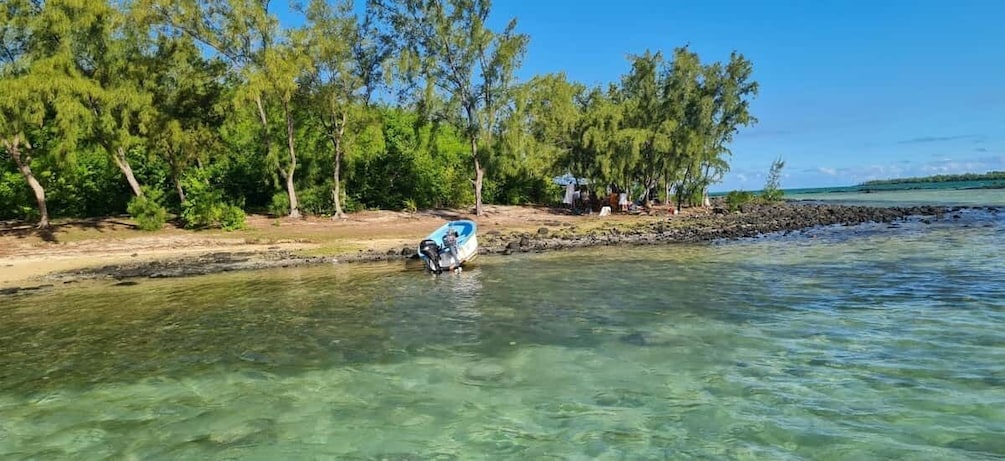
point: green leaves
(469, 64)
(772, 187)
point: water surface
(839, 343)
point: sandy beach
(112, 248)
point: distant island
(989, 176)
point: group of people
(575, 198)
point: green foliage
(989, 176)
(448, 45)
(772, 188)
(317, 200)
(204, 205)
(147, 210)
(280, 204)
(737, 198)
(232, 218)
(213, 96)
(15, 198)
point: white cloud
(820, 176)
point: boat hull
(467, 246)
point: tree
(188, 93)
(40, 84)
(553, 118)
(772, 187)
(346, 57)
(108, 52)
(649, 120)
(462, 57)
(711, 102)
(248, 37)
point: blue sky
(850, 90)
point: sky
(850, 90)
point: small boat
(440, 252)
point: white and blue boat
(440, 253)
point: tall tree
(188, 95)
(248, 37)
(109, 53)
(41, 86)
(463, 58)
(347, 56)
(554, 114)
(649, 123)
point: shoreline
(551, 235)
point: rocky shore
(719, 224)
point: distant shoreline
(989, 176)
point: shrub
(280, 205)
(737, 198)
(315, 200)
(147, 210)
(410, 206)
(204, 206)
(232, 218)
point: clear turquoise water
(839, 343)
(962, 193)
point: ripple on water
(882, 345)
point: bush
(737, 198)
(147, 210)
(204, 206)
(315, 200)
(232, 218)
(280, 205)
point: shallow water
(839, 343)
(910, 197)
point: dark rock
(392, 252)
(407, 251)
(9, 291)
(126, 283)
(514, 245)
(37, 287)
(543, 231)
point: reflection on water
(865, 343)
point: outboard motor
(431, 251)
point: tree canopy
(207, 108)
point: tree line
(208, 108)
(989, 176)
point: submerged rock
(485, 373)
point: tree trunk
(175, 175)
(24, 166)
(120, 159)
(177, 186)
(666, 185)
(290, 189)
(479, 176)
(337, 185)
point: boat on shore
(450, 246)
